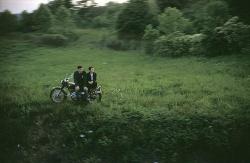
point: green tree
(180, 4)
(55, 4)
(8, 22)
(154, 8)
(208, 14)
(43, 18)
(26, 22)
(149, 37)
(240, 8)
(108, 15)
(63, 18)
(232, 37)
(133, 19)
(172, 20)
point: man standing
(91, 78)
(80, 79)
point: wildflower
(82, 136)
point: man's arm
(75, 79)
(84, 78)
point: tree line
(186, 27)
(162, 27)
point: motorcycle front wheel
(57, 95)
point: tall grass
(142, 95)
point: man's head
(91, 69)
(79, 69)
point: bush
(172, 20)
(196, 43)
(133, 19)
(133, 136)
(176, 46)
(149, 37)
(8, 22)
(101, 21)
(43, 19)
(232, 37)
(114, 43)
(52, 39)
(70, 34)
(206, 14)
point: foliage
(108, 17)
(153, 7)
(86, 15)
(172, 20)
(171, 46)
(115, 43)
(133, 19)
(230, 38)
(52, 39)
(178, 45)
(180, 4)
(43, 18)
(196, 109)
(26, 22)
(63, 18)
(149, 37)
(55, 4)
(8, 22)
(208, 14)
(71, 34)
(240, 8)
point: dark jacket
(89, 77)
(80, 78)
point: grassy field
(147, 85)
(128, 78)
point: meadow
(153, 109)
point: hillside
(188, 109)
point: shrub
(8, 22)
(52, 39)
(232, 37)
(196, 43)
(149, 37)
(43, 18)
(133, 19)
(70, 34)
(171, 47)
(172, 20)
(64, 18)
(178, 45)
(113, 42)
(133, 136)
(206, 14)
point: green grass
(128, 78)
(148, 86)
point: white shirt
(91, 76)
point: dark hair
(78, 67)
(91, 67)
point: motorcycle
(67, 88)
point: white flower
(90, 131)
(82, 136)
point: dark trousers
(92, 86)
(79, 95)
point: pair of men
(85, 81)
